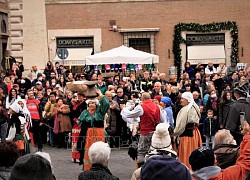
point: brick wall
(163, 14)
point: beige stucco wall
(28, 32)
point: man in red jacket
(35, 113)
(149, 114)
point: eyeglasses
(119, 92)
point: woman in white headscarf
(26, 124)
(187, 122)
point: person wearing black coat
(224, 107)
(240, 105)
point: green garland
(212, 27)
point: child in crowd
(209, 127)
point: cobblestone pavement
(120, 164)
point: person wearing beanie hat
(160, 146)
(187, 127)
(157, 99)
(161, 138)
(166, 103)
(31, 166)
(202, 162)
(241, 105)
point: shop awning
(205, 54)
(76, 56)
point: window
(3, 27)
(140, 39)
(141, 44)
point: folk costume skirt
(187, 145)
(93, 135)
(75, 135)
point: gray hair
(223, 136)
(145, 96)
(99, 153)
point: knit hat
(16, 107)
(167, 101)
(164, 167)
(201, 157)
(158, 98)
(161, 138)
(31, 166)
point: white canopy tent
(122, 55)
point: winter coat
(146, 85)
(190, 72)
(63, 117)
(97, 171)
(223, 112)
(112, 118)
(121, 100)
(161, 93)
(226, 154)
(5, 173)
(231, 70)
(102, 87)
(241, 167)
(233, 118)
(213, 103)
(209, 127)
(154, 153)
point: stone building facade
(3, 27)
(112, 23)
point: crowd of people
(177, 127)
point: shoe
(40, 150)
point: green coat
(99, 115)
